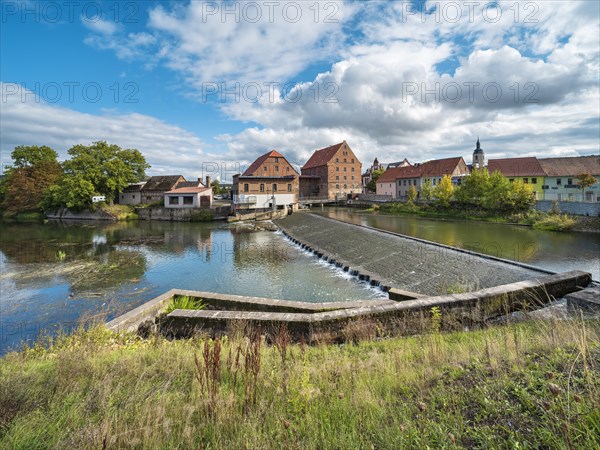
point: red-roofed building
(528, 170)
(269, 182)
(332, 172)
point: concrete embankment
(405, 263)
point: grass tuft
(184, 302)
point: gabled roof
(161, 183)
(184, 184)
(571, 167)
(322, 157)
(440, 167)
(188, 190)
(260, 160)
(517, 167)
(391, 175)
(404, 162)
(134, 187)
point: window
(245, 187)
(410, 182)
(345, 168)
(337, 169)
(173, 200)
(337, 177)
(287, 169)
(558, 181)
(344, 159)
(353, 177)
(526, 180)
(345, 177)
(337, 186)
(353, 169)
(276, 168)
(404, 182)
(262, 187)
(534, 181)
(337, 159)
(569, 181)
(276, 159)
(274, 187)
(352, 160)
(188, 200)
(289, 187)
(433, 184)
(511, 180)
(265, 168)
(345, 187)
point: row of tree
(37, 181)
(479, 190)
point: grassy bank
(536, 219)
(519, 386)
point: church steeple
(478, 156)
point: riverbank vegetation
(534, 385)
(37, 182)
(482, 196)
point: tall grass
(184, 302)
(530, 385)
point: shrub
(555, 222)
(184, 302)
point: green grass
(24, 216)
(555, 222)
(120, 212)
(184, 302)
(518, 386)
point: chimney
(207, 180)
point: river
(52, 275)
(555, 251)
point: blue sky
(394, 79)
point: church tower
(478, 156)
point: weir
(396, 262)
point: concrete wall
(575, 208)
(177, 214)
(65, 214)
(375, 198)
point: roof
(161, 183)
(188, 190)
(404, 162)
(184, 184)
(322, 157)
(573, 166)
(260, 160)
(517, 167)
(391, 175)
(260, 177)
(439, 167)
(134, 187)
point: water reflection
(52, 274)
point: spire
(478, 144)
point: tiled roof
(161, 183)
(517, 167)
(135, 187)
(259, 162)
(184, 184)
(439, 167)
(322, 157)
(391, 175)
(188, 190)
(571, 167)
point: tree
(412, 194)
(521, 196)
(215, 186)
(497, 195)
(372, 185)
(426, 190)
(444, 191)
(24, 186)
(585, 180)
(72, 191)
(474, 188)
(107, 168)
(30, 155)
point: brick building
(270, 182)
(332, 172)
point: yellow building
(528, 170)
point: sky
(206, 87)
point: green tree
(105, 167)
(522, 197)
(412, 194)
(215, 186)
(444, 191)
(30, 155)
(372, 185)
(497, 195)
(474, 188)
(426, 190)
(71, 191)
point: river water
(555, 251)
(52, 275)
